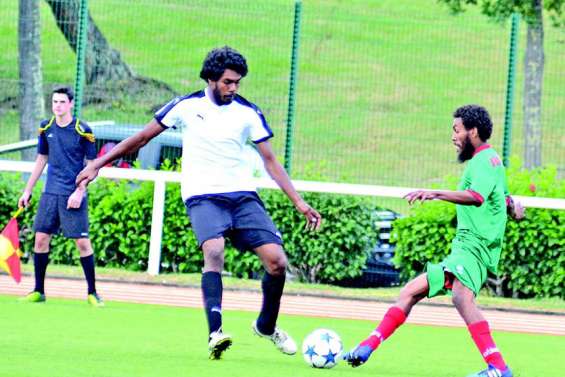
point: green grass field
(68, 338)
(378, 80)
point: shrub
(120, 228)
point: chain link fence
(377, 80)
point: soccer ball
(322, 348)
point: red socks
(392, 320)
(480, 332)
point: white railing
(161, 178)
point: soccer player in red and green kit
(482, 203)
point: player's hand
(313, 218)
(23, 201)
(75, 199)
(420, 195)
(516, 210)
(86, 175)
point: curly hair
(64, 90)
(475, 116)
(220, 59)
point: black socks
(212, 294)
(272, 292)
(40, 262)
(88, 268)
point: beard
(467, 151)
(219, 99)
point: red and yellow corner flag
(10, 248)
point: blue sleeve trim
(262, 139)
(239, 99)
(163, 111)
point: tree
(531, 12)
(106, 72)
(31, 102)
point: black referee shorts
(52, 215)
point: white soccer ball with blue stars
(322, 348)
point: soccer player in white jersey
(218, 190)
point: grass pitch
(68, 338)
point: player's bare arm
(515, 209)
(457, 197)
(75, 199)
(40, 163)
(129, 145)
(279, 175)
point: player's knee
(461, 295)
(406, 294)
(214, 258)
(277, 265)
(460, 299)
(41, 242)
(84, 247)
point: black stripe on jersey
(162, 112)
(239, 99)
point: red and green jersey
(485, 178)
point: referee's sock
(272, 292)
(212, 290)
(40, 262)
(88, 268)
(393, 319)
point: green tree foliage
(500, 10)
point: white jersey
(214, 142)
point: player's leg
(212, 290)
(40, 262)
(75, 225)
(464, 301)
(46, 223)
(274, 260)
(254, 230)
(210, 218)
(88, 267)
(212, 287)
(414, 291)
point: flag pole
(18, 212)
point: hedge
(120, 223)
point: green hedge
(533, 257)
(120, 218)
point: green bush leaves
(533, 257)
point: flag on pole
(10, 248)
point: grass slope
(378, 80)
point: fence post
(292, 87)
(507, 139)
(81, 55)
(154, 260)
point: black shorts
(240, 216)
(52, 215)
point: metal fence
(377, 81)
